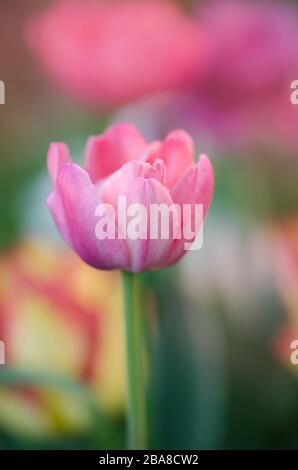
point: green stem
(137, 422)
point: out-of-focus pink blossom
(121, 163)
(244, 98)
(109, 53)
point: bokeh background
(221, 322)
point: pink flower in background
(244, 98)
(120, 163)
(109, 53)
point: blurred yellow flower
(60, 316)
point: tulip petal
(106, 153)
(194, 187)
(157, 171)
(73, 205)
(149, 253)
(135, 183)
(128, 183)
(58, 154)
(177, 151)
(121, 181)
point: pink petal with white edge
(129, 182)
(120, 182)
(73, 205)
(106, 153)
(177, 151)
(194, 187)
(149, 253)
(58, 154)
(156, 171)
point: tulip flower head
(134, 204)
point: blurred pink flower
(120, 163)
(244, 98)
(109, 53)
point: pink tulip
(109, 53)
(121, 163)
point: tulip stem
(137, 422)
